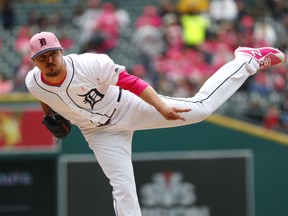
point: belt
(118, 100)
(119, 95)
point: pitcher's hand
(173, 113)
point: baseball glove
(57, 125)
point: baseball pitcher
(108, 104)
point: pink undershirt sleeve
(131, 83)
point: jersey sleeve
(101, 68)
(30, 80)
(131, 83)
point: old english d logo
(92, 97)
(42, 42)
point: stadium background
(35, 155)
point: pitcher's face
(50, 63)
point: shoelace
(266, 62)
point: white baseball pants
(112, 145)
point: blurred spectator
(223, 55)
(150, 16)
(32, 19)
(281, 28)
(261, 84)
(7, 14)
(277, 8)
(139, 70)
(278, 77)
(272, 117)
(284, 112)
(108, 25)
(172, 32)
(22, 40)
(20, 73)
(177, 65)
(42, 22)
(264, 33)
(149, 43)
(166, 7)
(86, 21)
(77, 15)
(227, 34)
(185, 88)
(192, 6)
(123, 16)
(66, 39)
(245, 31)
(56, 19)
(6, 84)
(241, 9)
(194, 27)
(223, 10)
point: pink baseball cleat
(265, 56)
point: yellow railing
(17, 97)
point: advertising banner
(28, 187)
(209, 183)
(23, 130)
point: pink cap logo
(43, 42)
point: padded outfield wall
(269, 150)
(217, 137)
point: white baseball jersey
(88, 96)
(107, 116)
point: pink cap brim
(46, 50)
